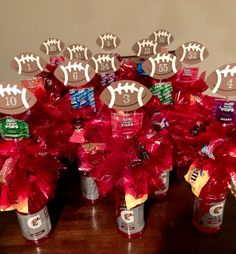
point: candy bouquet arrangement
(127, 121)
(36, 124)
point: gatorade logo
(217, 210)
(127, 216)
(34, 222)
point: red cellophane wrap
(134, 164)
(51, 118)
(128, 158)
(210, 175)
(28, 176)
(51, 125)
(30, 168)
(190, 118)
(218, 159)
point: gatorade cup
(35, 227)
(161, 192)
(208, 213)
(88, 187)
(130, 222)
(209, 206)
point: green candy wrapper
(164, 92)
(12, 128)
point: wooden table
(82, 228)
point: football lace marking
(14, 90)
(193, 47)
(75, 66)
(51, 42)
(86, 73)
(164, 58)
(77, 48)
(127, 87)
(104, 58)
(227, 70)
(27, 58)
(162, 33)
(108, 37)
(146, 43)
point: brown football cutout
(222, 81)
(162, 66)
(192, 52)
(125, 95)
(145, 48)
(77, 51)
(15, 99)
(74, 73)
(108, 41)
(105, 63)
(28, 64)
(162, 37)
(52, 46)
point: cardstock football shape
(28, 64)
(74, 73)
(192, 52)
(162, 66)
(222, 81)
(108, 41)
(77, 51)
(162, 37)
(145, 48)
(125, 95)
(52, 46)
(14, 99)
(105, 63)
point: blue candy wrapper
(140, 70)
(82, 97)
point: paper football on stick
(28, 64)
(145, 48)
(125, 95)
(162, 37)
(222, 81)
(74, 73)
(104, 63)
(192, 52)
(52, 46)
(14, 99)
(77, 51)
(108, 41)
(162, 66)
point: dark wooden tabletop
(80, 227)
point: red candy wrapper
(126, 125)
